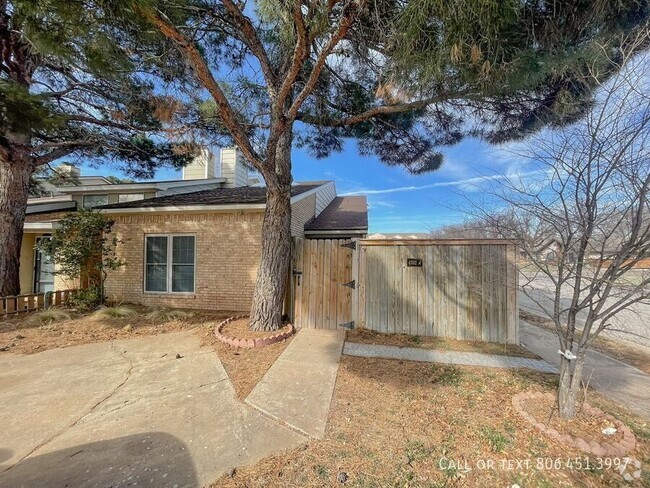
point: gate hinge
(350, 284)
(347, 325)
(350, 245)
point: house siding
(227, 258)
(324, 196)
(302, 212)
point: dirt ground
(399, 423)
(625, 352)
(245, 367)
(366, 336)
(22, 335)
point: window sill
(163, 294)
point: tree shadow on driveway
(152, 459)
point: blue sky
(398, 201)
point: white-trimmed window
(90, 201)
(169, 263)
(130, 197)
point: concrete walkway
(127, 413)
(447, 357)
(622, 383)
(297, 389)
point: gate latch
(350, 284)
(347, 325)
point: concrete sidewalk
(297, 389)
(622, 383)
(446, 357)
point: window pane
(156, 250)
(183, 250)
(91, 201)
(156, 279)
(182, 278)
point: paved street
(635, 322)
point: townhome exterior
(202, 249)
(191, 243)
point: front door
(43, 270)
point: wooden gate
(322, 282)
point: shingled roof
(343, 213)
(215, 196)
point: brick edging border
(251, 343)
(626, 445)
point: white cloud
(464, 183)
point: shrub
(86, 299)
(50, 315)
(118, 311)
(165, 315)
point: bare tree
(588, 202)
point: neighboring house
(202, 249)
(43, 213)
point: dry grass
(118, 311)
(245, 367)
(623, 351)
(391, 423)
(46, 317)
(366, 336)
(165, 315)
(21, 334)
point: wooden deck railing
(13, 305)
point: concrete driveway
(127, 413)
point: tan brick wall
(302, 212)
(227, 258)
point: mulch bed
(367, 336)
(584, 432)
(246, 367)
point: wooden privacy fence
(463, 289)
(34, 301)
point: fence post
(47, 300)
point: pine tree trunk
(14, 191)
(271, 285)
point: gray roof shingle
(216, 196)
(343, 213)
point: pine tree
(71, 84)
(402, 78)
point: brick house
(195, 243)
(202, 249)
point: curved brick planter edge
(281, 335)
(626, 445)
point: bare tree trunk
(271, 285)
(570, 385)
(14, 191)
